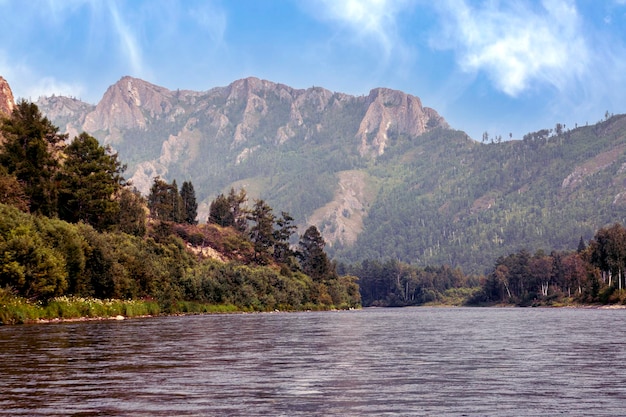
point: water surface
(394, 362)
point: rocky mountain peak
(391, 110)
(7, 102)
(129, 104)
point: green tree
(190, 206)
(262, 231)
(230, 210)
(285, 229)
(313, 260)
(164, 201)
(132, 213)
(608, 252)
(31, 267)
(90, 181)
(28, 153)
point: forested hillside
(380, 176)
(447, 200)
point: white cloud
(371, 20)
(20, 78)
(518, 45)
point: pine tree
(262, 232)
(90, 181)
(190, 206)
(282, 234)
(28, 153)
(313, 259)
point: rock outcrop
(392, 110)
(7, 102)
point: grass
(17, 310)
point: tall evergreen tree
(164, 201)
(262, 232)
(90, 181)
(28, 153)
(313, 259)
(132, 218)
(285, 228)
(190, 206)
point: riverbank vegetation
(73, 231)
(591, 274)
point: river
(378, 362)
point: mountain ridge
(381, 175)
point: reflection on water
(412, 361)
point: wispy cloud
(128, 42)
(370, 20)
(212, 20)
(517, 45)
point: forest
(591, 274)
(72, 226)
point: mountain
(252, 133)
(381, 175)
(7, 102)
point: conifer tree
(90, 181)
(28, 153)
(313, 259)
(190, 206)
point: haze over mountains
(381, 175)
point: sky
(502, 67)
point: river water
(378, 362)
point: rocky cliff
(7, 102)
(242, 116)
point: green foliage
(594, 274)
(190, 205)
(164, 201)
(313, 259)
(89, 184)
(229, 211)
(394, 283)
(43, 259)
(27, 152)
(132, 213)
(262, 231)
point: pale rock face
(7, 102)
(393, 110)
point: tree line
(594, 273)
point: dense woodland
(71, 225)
(591, 274)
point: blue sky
(497, 66)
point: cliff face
(7, 102)
(391, 110)
(242, 117)
(269, 138)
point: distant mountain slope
(381, 175)
(278, 142)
